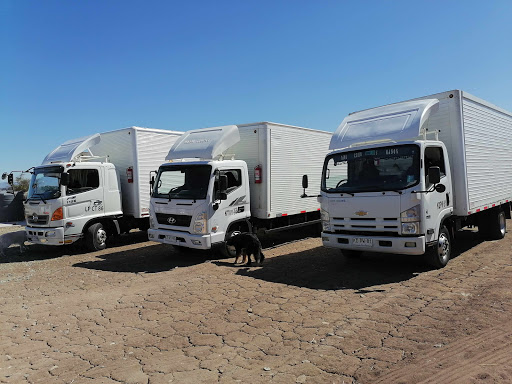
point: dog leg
(237, 256)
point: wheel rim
(443, 248)
(101, 236)
(503, 224)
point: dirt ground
(141, 312)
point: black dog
(247, 244)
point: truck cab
(65, 198)
(387, 185)
(199, 197)
(383, 198)
(195, 202)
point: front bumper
(384, 244)
(49, 236)
(183, 239)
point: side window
(234, 178)
(434, 158)
(82, 180)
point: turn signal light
(57, 215)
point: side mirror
(304, 181)
(434, 175)
(64, 179)
(152, 181)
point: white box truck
(95, 186)
(403, 178)
(224, 180)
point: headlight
(151, 222)
(326, 226)
(324, 215)
(411, 215)
(200, 224)
(410, 228)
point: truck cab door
(437, 204)
(84, 195)
(236, 206)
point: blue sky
(73, 68)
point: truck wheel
(226, 251)
(496, 224)
(96, 237)
(351, 254)
(439, 255)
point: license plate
(362, 242)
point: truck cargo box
(285, 153)
(135, 152)
(478, 137)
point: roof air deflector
(207, 143)
(71, 148)
(396, 122)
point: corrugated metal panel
(152, 146)
(296, 152)
(488, 143)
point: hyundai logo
(35, 217)
(171, 220)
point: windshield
(183, 181)
(45, 183)
(379, 169)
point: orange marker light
(57, 215)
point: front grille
(38, 220)
(366, 226)
(179, 220)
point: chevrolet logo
(361, 213)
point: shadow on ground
(160, 258)
(149, 259)
(34, 252)
(328, 269)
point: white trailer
(224, 180)
(403, 178)
(95, 186)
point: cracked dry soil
(140, 312)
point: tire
(351, 254)
(496, 225)
(96, 237)
(439, 255)
(224, 250)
